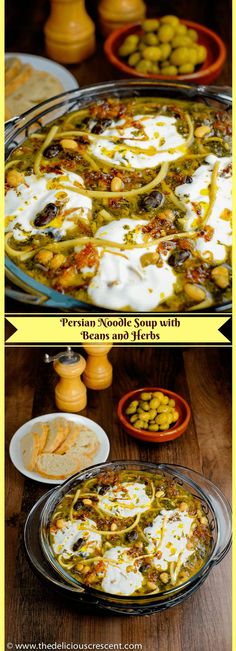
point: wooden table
(202, 376)
(24, 33)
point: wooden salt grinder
(116, 13)
(98, 372)
(70, 391)
(69, 32)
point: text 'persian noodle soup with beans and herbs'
(130, 533)
(126, 204)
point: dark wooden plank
(203, 377)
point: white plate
(67, 80)
(15, 450)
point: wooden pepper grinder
(98, 372)
(69, 32)
(116, 13)
(70, 391)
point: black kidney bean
(103, 489)
(131, 536)
(78, 544)
(188, 179)
(46, 215)
(145, 567)
(100, 126)
(149, 201)
(52, 150)
(78, 505)
(177, 258)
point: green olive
(172, 402)
(134, 403)
(170, 20)
(132, 38)
(158, 394)
(154, 403)
(165, 33)
(154, 428)
(187, 69)
(170, 70)
(146, 396)
(152, 414)
(145, 405)
(145, 416)
(179, 57)
(144, 66)
(134, 58)
(162, 409)
(164, 64)
(152, 53)
(130, 410)
(150, 25)
(175, 416)
(165, 49)
(192, 56)
(181, 41)
(165, 400)
(134, 418)
(160, 419)
(201, 53)
(139, 424)
(193, 34)
(127, 48)
(151, 39)
(181, 30)
(164, 427)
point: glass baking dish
(21, 286)
(39, 551)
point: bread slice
(40, 86)
(57, 432)
(59, 466)
(14, 84)
(29, 449)
(40, 430)
(86, 443)
(69, 440)
(12, 68)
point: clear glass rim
(169, 468)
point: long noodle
(119, 532)
(173, 198)
(47, 141)
(121, 193)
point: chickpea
(202, 131)
(146, 396)
(151, 39)
(154, 428)
(113, 526)
(193, 34)
(44, 256)
(87, 502)
(86, 569)
(68, 143)
(92, 578)
(164, 577)
(134, 59)
(220, 275)
(151, 585)
(187, 69)
(154, 403)
(201, 54)
(165, 49)
(60, 524)
(57, 261)
(14, 178)
(204, 520)
(166, 33)
(150, 25)
(116, 184)
(194, 292)
(152, 53)
(160, 494)
(79, 567)
(179, 56)
(183, 506)
(170, 20)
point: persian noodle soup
(126, 204)
(130, 533)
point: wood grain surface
(202, 375)
(24, 33)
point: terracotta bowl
(155, 437)
(206, 73)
